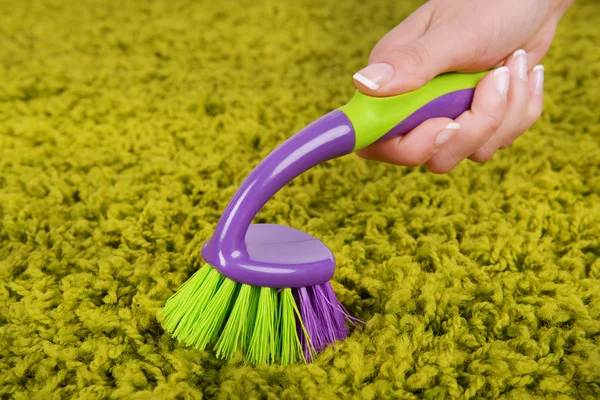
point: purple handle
(264, 256)
(450, 105)
(278, 256)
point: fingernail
(502, 77)
(375, 76)
(521, 64)
(445, 135)
(538, 79)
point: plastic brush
(265, 290)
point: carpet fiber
(125, 127)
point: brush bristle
(266, 325)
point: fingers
(534, 108)
(408, 56)
(478, 125)
(414, 148)
(524, 107)
(504, 106)
(405, 67)
(410, 29)
(441, 143)
(518, 100)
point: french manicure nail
(521, 64)
(375, 76)
(447, 134)
(502, 78)
(538, 79)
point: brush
(265, 289)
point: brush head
(266, 325)
(272, 255)
(266, 291)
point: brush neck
(329, 137)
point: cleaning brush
(265, 289)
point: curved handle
(329, 137)
(379, 118)
(361, 122)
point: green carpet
(125, 127)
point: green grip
(372, 117)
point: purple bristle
(310, 322)
(333, 316)
(323, 316)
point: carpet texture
(125, 127)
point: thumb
(398, 66)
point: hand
(466, 36)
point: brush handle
(381, 118)
(272, 257)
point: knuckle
(491, 122)
(410, 52)
(440, 167)
(482, 155)
(414, 55)
(413, 159)
(439, 170)
(444, 161)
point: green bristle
(213, 317)
(204, 298)
(291, 348)
(277, 323)
(174, 306)
(184, 309)
(251, 319)
(263, 348)
(259, 321)
(235, 334)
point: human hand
(465, 36)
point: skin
(467, 36)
